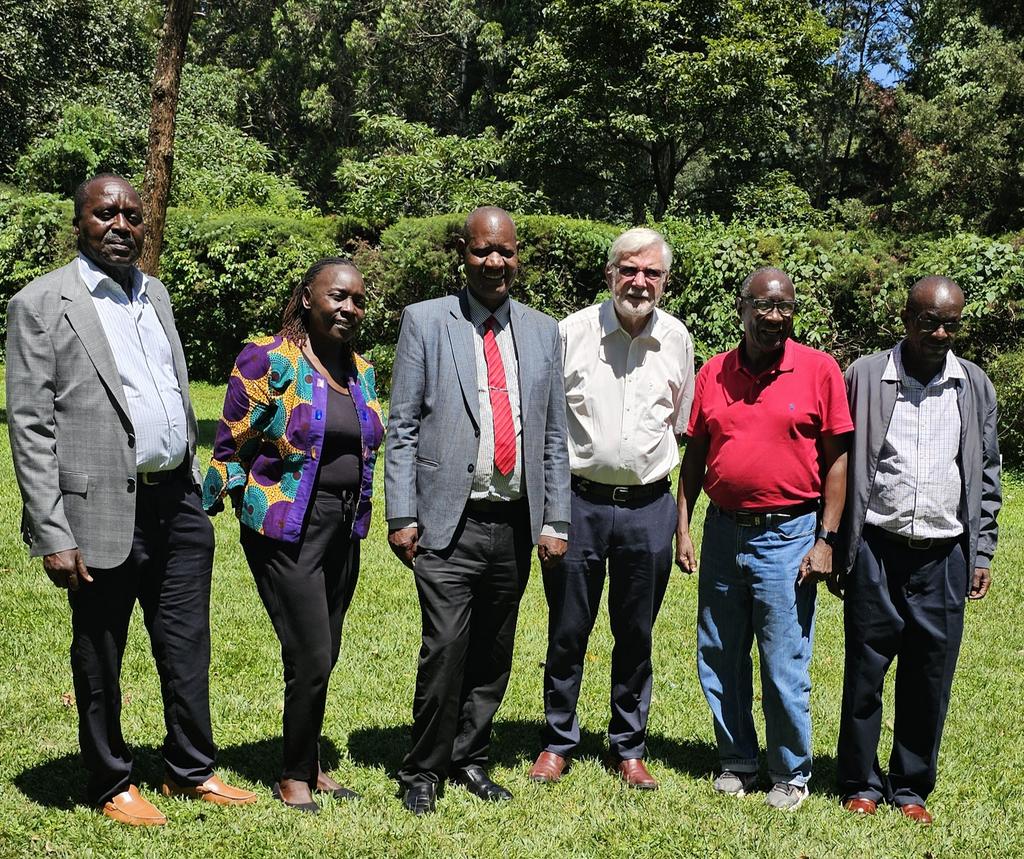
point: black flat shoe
(307, 807)
(420, 799)
(474, 778)
(337, 792)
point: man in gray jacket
(917, 540)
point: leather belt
(919, 544)
(767, 518)
(620, 494)
(152, 478)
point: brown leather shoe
(916, 812)
(635, 774)
(131, 808)
(861, 805)
(547, 768)
(212, 790)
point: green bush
(1007, 374)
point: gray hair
(637, 239)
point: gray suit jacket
(71, 433)
(434, 421)
(871, 404)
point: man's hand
(66, 569)
(686, 557)
(817, 563)
(980, 583)
(403, 543)
(550, 550)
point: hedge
(229, 275)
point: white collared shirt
(142, 353)
(628, 397)
(917, 486)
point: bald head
(490, 254)
(765, 278)
(934, 291)
(487, 218)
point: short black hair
(82, 191)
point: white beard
(635, 311)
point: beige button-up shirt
(628, 397)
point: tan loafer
(131, 808)
(212, 790)
(916, 812)
(547, 768)
(635, 774)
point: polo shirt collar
(785, 364)
(478, 314)
(895, 372)
(94, 277)
(654, 329)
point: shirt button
(131, 484)
(470, 469)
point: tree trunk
(160, 156)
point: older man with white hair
(628, 384)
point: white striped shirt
(917, 487)
(142, 353)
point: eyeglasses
(930, 324)
(651, 275)
(764, 306)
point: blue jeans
(748, 589)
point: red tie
(501, 409)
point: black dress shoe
(308, 807)
(420, 798)
(474, 779)
(337, 792)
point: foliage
(404, 169)
(775, 200)
(1007, 374)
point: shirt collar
(93, 276)
(478, 313)
(654, 328)
(786, 363)
(895, 372)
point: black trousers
(904, 604)
(469, 603)
(307, 588)
(634, 542)
(168, 572)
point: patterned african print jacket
(270, 437)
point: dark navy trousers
(631, 544)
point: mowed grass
(979, 802)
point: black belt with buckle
(919, 544)
(767, 518)
(620, 494)
(152, 478)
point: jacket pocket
(430, 463)
(75, 482)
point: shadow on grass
(207, 432)
(61, 782)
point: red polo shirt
(765, 431)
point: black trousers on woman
(307, 588)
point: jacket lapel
(80, 313)
(460, 335)
(526, 351)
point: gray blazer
(434, 421)
(71, 433)
(871, 403)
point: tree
(617, 98)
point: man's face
(637, 280)
(767, 328)
(928, 338)
(110, 229)
(491, 256)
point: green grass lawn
(978, 804)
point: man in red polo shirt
(767, 442)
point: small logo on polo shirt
(792, 408)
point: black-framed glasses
(929, 324)
(651, 275)
(764, 306)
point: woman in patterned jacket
(294, 450)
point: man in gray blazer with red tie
(104, 438)
(477, 473)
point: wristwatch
(829, 537)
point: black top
(342, 454)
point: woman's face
(336, 301)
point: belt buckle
(920, 543)
(624, 496)
(146, 477)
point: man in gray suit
(477, 473)
(104, 437)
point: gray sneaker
(786, 797)
(735, 784)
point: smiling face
(110, 228)
(766, 334)
(490, 254)
(933, 302)
(634, 293)
(335, 303)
